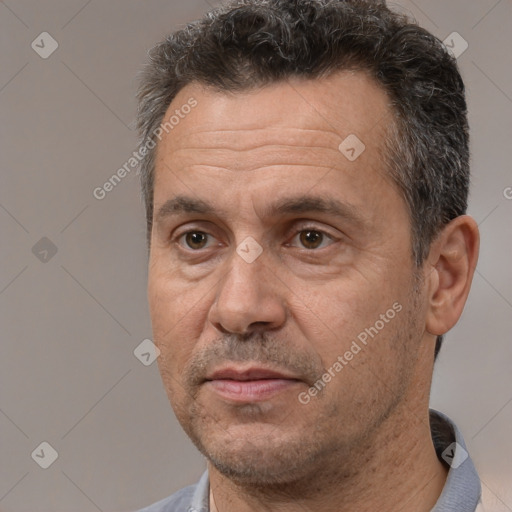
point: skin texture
(362, 443)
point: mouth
(252, 384)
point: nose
(249, 298)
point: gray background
(71, 320)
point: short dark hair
(252, 43)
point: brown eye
(196, 239)
(311, 239)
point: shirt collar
(201, 497)
(462, 490)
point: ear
(450, 267)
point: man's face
(273, 256)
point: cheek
(177, 317)
(335, 313)
(365, 361)
(359, 320)
(170, 296)
(173, 319)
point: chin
(258, 455)
(255, 468)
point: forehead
(297, 113)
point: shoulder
(178, 502)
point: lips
(247, 374)
(245, 385)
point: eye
(311, 238)
(194, 240)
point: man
(305, 174)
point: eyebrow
(183, 204)
(180, 205)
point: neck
(396, 470)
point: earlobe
(452, 262)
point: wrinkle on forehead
(250, 149)
(242, 139)
(256, 158)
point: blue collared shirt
(461, 492)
